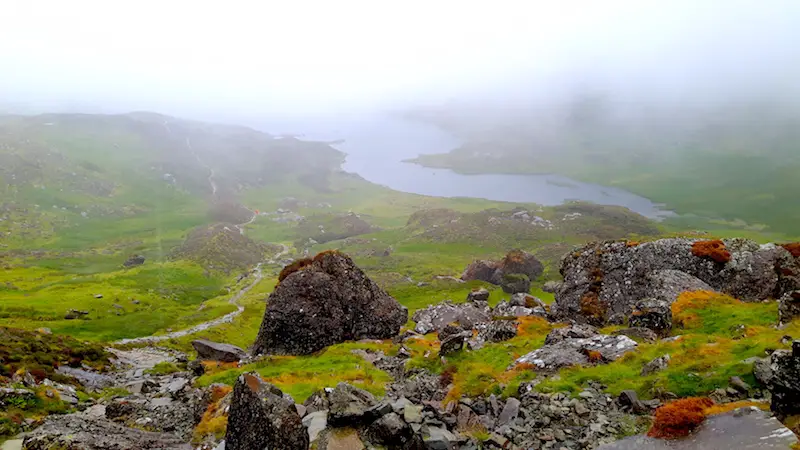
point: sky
(297, 57)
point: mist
(247, 59)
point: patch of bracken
(793, 248)
(447, 375)
(714, 250)
(592, 308)
(295, 266)
(679, 418)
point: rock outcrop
(214, 351)
(325, 301)
(789, 307)
(603, 281)
(515, 262)
(782, 378)
(436, 317)
(133, 261)
(261, 417)
(577, 345)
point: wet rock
(133, 261)
(789, 307)
(656, 365)
(84, 432)
(480, 295)
(260, 417)
(652, 314)
(514, 283)
(436, 317)
(349, 406)
(328, 301)
(214, 351)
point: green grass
(163, 368)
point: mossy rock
(515, 283)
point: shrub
(679, 418)
(714, 250)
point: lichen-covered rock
(551, 286)
(643, 334)
(325, 302)
(784, 381)
(214, 351)
(515, 262)
(789, 307)
(515, 283)
(483, 270)
(656, 365)
(652, 314)
(603, 281)
(577, 345)
(436, 317)
(480, 295)
(261, 417)
(349, 406)
(451, 339)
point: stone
(480, 295)
(349, 406)
(177, 385)
(509, 412)
(214, 351)
(339, 439)
(438, 438)
(515, 262)
(551, 286)
(740, 386)
(606, 279)
(652, 314)
(328, 301)
(656, 365)
(260, 417)
(745, 428)
(514, 283)
(631, 400)
(133, 261)
(437, 317)
(784, 383)
(561, 349)
(412, 413)
(638, 333)
(196, 367)
(390, 430)
(789, 307)
(315, 422)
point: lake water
(377, 146)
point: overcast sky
(301, 56)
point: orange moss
(295, 266)
(325, 253)
(213, 367)
(793, 248)
(728, 407)
(694, 300)
(677, 419)
(219, 391)
(594, 356)
(632, 243)
(531, 326)
(592, 307)
(714, 250)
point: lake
(376, 147)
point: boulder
(789, 307)
(561, 349)
(261, 417)
(484, 271)
(326, 301)
(498, 331)
(526, 300)
(653, 314)
(642, 334)
(514, 283)
(438, 438)
(551, 286)
(506, 310)
(656, 365)
(451, 339)
(214, 351)
(479, 295)
(784, 381)
(436, 317)
(391, 431)
(350, 406)
(133, 261)
(315, 422)
(603, 281)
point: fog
(239, 59)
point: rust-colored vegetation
(295, 266)
(728, 407)
(594, 356)
(714, 250)
(447, 375)
(689, 301)
(679, 418)
(321, 255)
(793, 248)
(592, 308)
(215, 419)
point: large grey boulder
(784, 381)
(789, 307)
(326, 301)
(261, 417)
(577, 345)
(214, 351)
(603, 281)
(436, 317)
